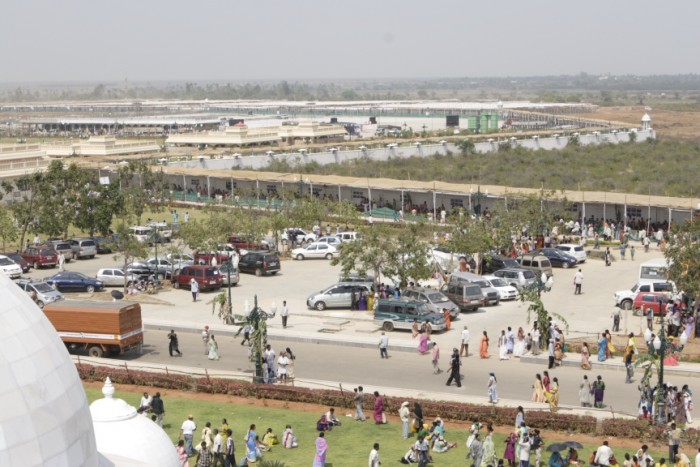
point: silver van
(436, 300)
(537, 263)
(83, 248)
(518, 278)
(491, 295)
(337, 296)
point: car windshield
(510, 263)
(6, 262)
(437, 297)
(635, 288)
(498, 282)
(43, 287)
(47, 252)
(482, 284)
(528, 274)
(212, 272)
(423, 309)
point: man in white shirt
(603, 455)
(464, 351)
(374, 456)
(218, 448)
(697, 459)
(145, 403)
(383, 344)
(524, 457)
(284, 314)
(578, 281)
(187, 432)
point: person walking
(585, 392)
(598, 392)
(464, 350)
(205, 339)
(578, 282)
(484, 346)
(247, 329)
(475, 450)
(650, 318)
(205, 457)
(603, 455)
(629, 355)
(217, 449)
(550, 354)
(616, 319)
(405, 415)
(194, 288)
(158, 409)
(435, 357)
(321, 450)
(359, 400)
(674, 443)
(383, 344)
(187, 432)
(608, 256)
(230, 451)
(61, 262)
(173, 346)
(374, 456)
(632, 252)
(284, 314)
(421, 447)
(454, 369)
(492, 388)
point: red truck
(99, 327)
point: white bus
(654, 270)
(141, 234)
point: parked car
(506, 291)
(355, 277)
(557, 258)
(40, 257)
(205, 258)
(163, 229)
(576, 251)
(518, 278)
(537, 263)
(625, 298)
(449, 260)
(348, 236)
(655, 300)
(141, 268)
(315, 251)
(491, 295)
(302, 236)
(83, 248)
(399, 313)
(491, 263)
(335, 241)
(103, 244)
(180, 260)
(75, 282)
(244, 244)
(45, 293)
(224, 271)
(436, 300)
(114, 277)
(62, 246)
(17, 258)
(337, 296)
(467, 296)
(10, 268)
(259, 263)
(208, 277)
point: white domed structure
(45, 420)
(646, 122)
(122, 433)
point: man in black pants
(173, 346)
(550, 352)
(454, 369)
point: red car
(242, 244)
(40, 256)
(655, 300)
(208, 277)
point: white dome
(44, 419)
(121, 431)
(646, 118)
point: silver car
(436, 300)
(114, 277)
(83, 248)
(45, 293)
(337, 296)
(224, 271)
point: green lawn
(349, 445)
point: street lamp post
(257, 319)
(661, 344)
(228, 271)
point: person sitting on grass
(331, 418)
(410, 457)
(289, 441)
(323, 425)
(270, 439)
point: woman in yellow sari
(553, 395)
(538, 389)
(610, 350)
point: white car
(315, 250)
(303, 236)
(505, 290)
(576, 251)
(334, 241)
(114, 277)
(10, 268)
(180, 260)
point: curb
(676, 371)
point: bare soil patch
(667, 123)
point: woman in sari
(484, 346)
(378, 408)
(610, 349)
(321, 450)
(415, 328)
(585, 357)
(538, 389)
(423, 342)
(519, 349)
(509, 453)
(213, 348)
(488, 449)
(252, 445)
(473, 432)
(602, 348)
(545, 381)
(584, 392)
(553, 395)
(503, 346)
(558, 352)
(598, 392)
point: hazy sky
(76, 40)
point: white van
(348, 236)
(654, 270)
(141, 234)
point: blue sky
(76, 40)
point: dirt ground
(667, 123)
(549, 436)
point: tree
(127, 247)
(97, 206)
(8, 229)
(683, 254)
(24, 201)
(466, 146)
(408, 259)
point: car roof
(568, 244)
(513, 269)
(421, 289)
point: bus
(654, 270)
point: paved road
(353, 366)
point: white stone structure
(106, 145)
(45, 420)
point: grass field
(349, 444)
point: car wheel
(566, 265)
(300, 257)
(96, 351)
(40, 304)
(90, 289)
(36, 265)
(258, 272)
(329, 256)
(320, 306)
(92, 256)
(626, 305)
(388, 326)
(273, 273)
(176, 285)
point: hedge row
(503, 416)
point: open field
(667, 123)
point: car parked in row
(434, 299)
(40, 257)
(492, 263)
(655, 300)
(45, 293)
(21, 262)
(10, 268)
(348, 236)
(337, 296)
(334, 241)
(576, 251)
(400, 313)
(537, 263)
(75, 282)
(242, 243)
(208, 277)
(114, 277)
(558, 258)
(518, 278)
(300, 236)
(226, 269)
(260, 263)
(505, 290)
(62, 246)
(625, 298)
(315, 251)
(103, 245)
(83, 248)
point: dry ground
(667, 123)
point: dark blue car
(558, 258)
(75, 282)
